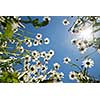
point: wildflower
(21, 49)
(38, 36)
(43, 54)
(29, 44)
(48, 56)
(67, 60)
(26, 66)
(27, 58)
(88, 63)
(33, 69)
(46, 60)
(38, 64)
(56, 66)
(51, 52)
(47, 18)
(65, 22)
(46, 41)
(43, 68)
(82, 49)
(35, 54)
(40, 42)
(74, 41)
(35, 42)
(72, 75)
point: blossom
(35, 54)
(33, 69)
(47, 18)
(43, 54)
(56, 66)
(40, 42)
(72, 75)
(29, 44)
(44, 68)
(66, 60)
(88, 63)
(82, 49)
(27, 58)
(46, 41)
(35, 42)
(21, 49)
(51, 52)
(65, 22)
(38, 36)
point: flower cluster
(81, 75)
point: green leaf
(8, 32)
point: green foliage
(8, 77)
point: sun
(87, 34)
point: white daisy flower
(26, 67)
(65, 22)
(21, 49)
(72, 75)
(82, 50)
(48, 56)
(66, 60)
(38, 64)
(35, 54)
(27, 58)
(46, 41)
(43, 54)
(88, 63)
(46, 60)
(56, 66)
(33, 69)
(34, 59)
(74, 41)
(29, 44)
(26, 41)
(51, 52)
(38, 36)
(47, 18)
(44, 68)
(40, 42)
(35, 42)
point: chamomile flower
(29, 44)
(35, 54)
(33, 69)
(82, 50)
(21, 49)
(48, 56)
(88, 63)
(65, 22)
(35, 42)
(38, 36)
(46, 18)
(46, 60)
(66, 60)
(44, 68)
(74, 41)
(26, 67)
(38, 64)
(51, 52)
(34, 59)
(46, 41)
(40, 42)
(43, 54)
(72, 75)
(27, 58)
(56, 66)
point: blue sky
(60, 42)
